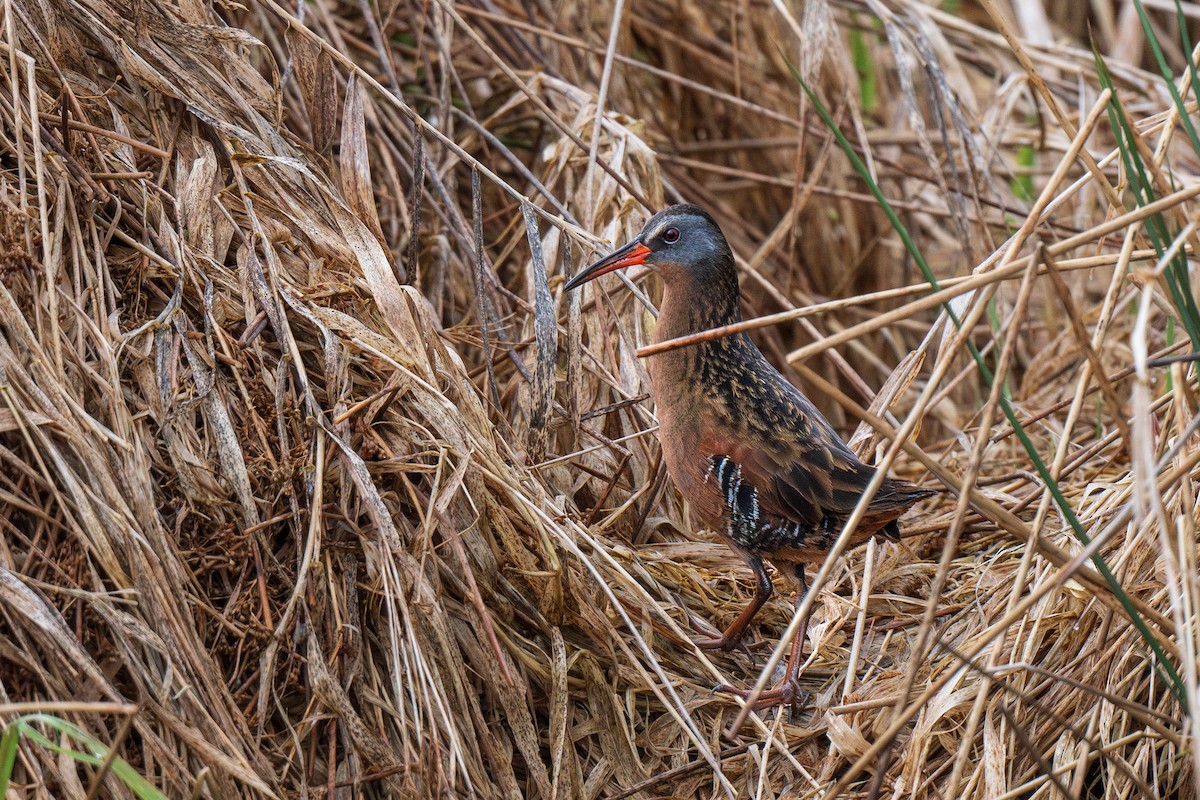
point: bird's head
(682, 243)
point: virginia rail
(755, 459)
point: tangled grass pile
(315, 484)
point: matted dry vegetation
(314, 482)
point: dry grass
(314, 483)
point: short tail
(901, 495)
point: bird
(754, 458)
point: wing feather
(802, 471)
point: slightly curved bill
(630, 255)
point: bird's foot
(726, 643)
(784, 694)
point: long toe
(725, 643)
(715, 643)
(783, 694)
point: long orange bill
(630, 255)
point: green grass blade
(1181, 21)
(1168, 75)
(1022, 184)
(861, 55)
(94, 753)
(8, 757)
(1176, 275)
(862, 170)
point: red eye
(670, 235)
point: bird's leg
(784, 692)
(732, 637)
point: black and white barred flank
(748, 528)
(741, 498)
